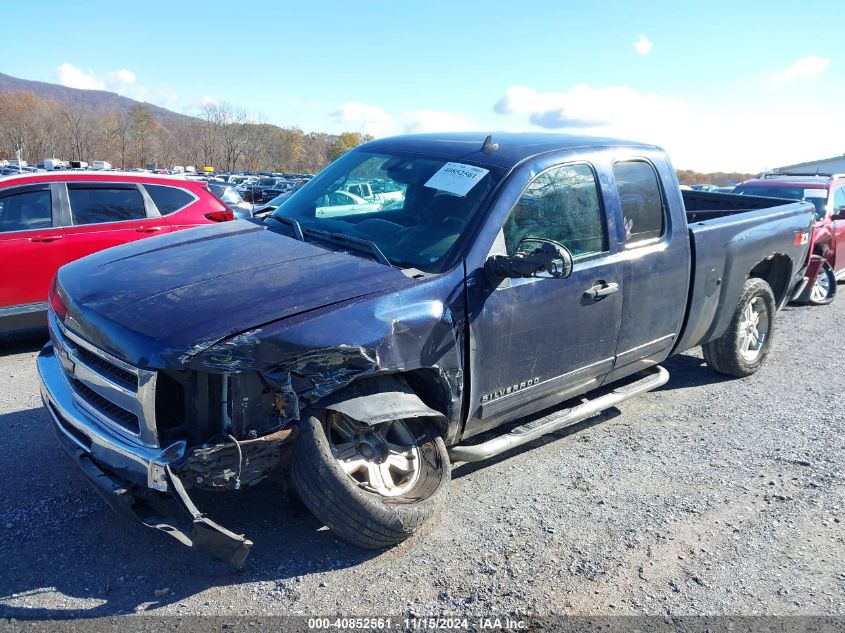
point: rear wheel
(372, 485)
(744, 346)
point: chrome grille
(120, 376)
(106, 388)
(126, 419)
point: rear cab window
(169, 199)
(27, 208)
(643, 211)
(95, 203)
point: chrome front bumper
(135, 463)
(111, 462)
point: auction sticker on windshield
(456, 178)
(815, 193)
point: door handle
(46, 238)
(148, 229)
(600, 290)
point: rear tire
(744, 346)
(370, 503)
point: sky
(722, 86)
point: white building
(835, 165)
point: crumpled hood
(158, 301)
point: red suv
(827, 250)
(50, 219)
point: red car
(827, 250)
(49, 219)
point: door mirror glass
(535, 257)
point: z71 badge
(506, 391)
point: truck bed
(705, 205)
(730, 235)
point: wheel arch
(422, 393)
(775, 270)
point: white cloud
(208, 100)
(732, 137)
(122, 81)
(583, 107)
(643, 45)
(120, 78)
(365, 118)
(370, 119)
(73, 77)
(808, 66)
(422, 121)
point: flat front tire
(744, 346)
(374, 486)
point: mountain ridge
(99, 101)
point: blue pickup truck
(359, 351)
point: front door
(32, 247)
(535, 342)
(838, 197)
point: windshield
(267, 182)
(816, 195)
(420, 209)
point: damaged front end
(143, 437)
(222, 415)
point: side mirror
(535, 257)
(838, 214)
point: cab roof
(513, 149)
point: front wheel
(744, 346)
(372, 485)
(823, 290)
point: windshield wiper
(297, 229)
(341, 238)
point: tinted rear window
(169, 199)
(642, 204)
(94, 204)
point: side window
(561, 204)
(26, 210)
(94, 204)
(839, 200)
(642, 204)
(169, 199)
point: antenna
(489, 145)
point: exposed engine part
(233, 464)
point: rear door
(655, 264)
(537, 341)
(32, 246)
(106, 214)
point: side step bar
(653, 378)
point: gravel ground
(709, 496)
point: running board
(653, 378)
